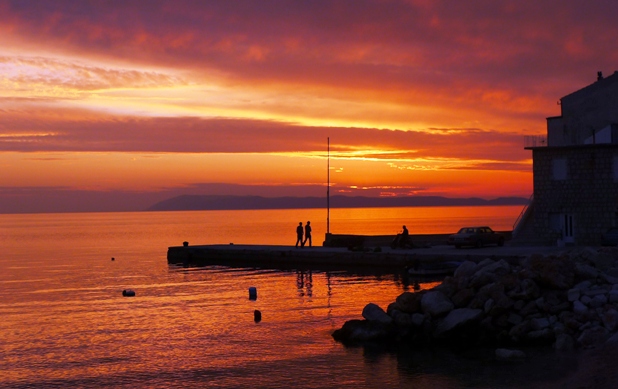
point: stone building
(575, 170)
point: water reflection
(304, 283)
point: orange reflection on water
(64, 316)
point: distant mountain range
(210, 202)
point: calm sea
(65, 324)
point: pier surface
(319, 257)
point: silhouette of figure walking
(299, 234)
(307, 234)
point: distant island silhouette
(218, 202)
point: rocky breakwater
(568, 301)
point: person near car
(405, 237)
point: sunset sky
(124, 103)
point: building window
(559, 169)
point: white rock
(501, 267)
(466, 269)
(373, 312)
(485, 262)
(436, 303)
(457, 318)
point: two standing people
(299, 234)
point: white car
(475, 236)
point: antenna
(328, 187)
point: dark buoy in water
(253, 293)
(113, 259)
(128, 293)
(257, 316)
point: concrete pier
(332, 258)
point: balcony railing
(535, 141)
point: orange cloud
(424, 96)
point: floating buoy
(113, 259)
(257, 316)
(253, 293)
(128, 293)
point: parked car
(475, 236)
(610, 237)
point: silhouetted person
(402, 239)
(299, 234)
(307, 234)
(405, 237)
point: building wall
(581, 181)
(587, 110)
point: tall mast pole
(328, 188)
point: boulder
(514, 319)
(579, 308)
(598, 301)
(507, 355)
(561, 307)
(568, 300)
(529, 289)
(602, 260)
(457, 319)
(360, 331)
(539, 323)
(436, 303)
(573, 294)
(418, 319)
(519, 331)
(463, 297)
(402, 319)
(373, 312)
(500, 267)
(563, 343)
(585, 272)
(544, 336)
(613, 296)
(465, 270)
(610, 319)
(613, 339)
(553, 272)
(409, 302)
(592, 336)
